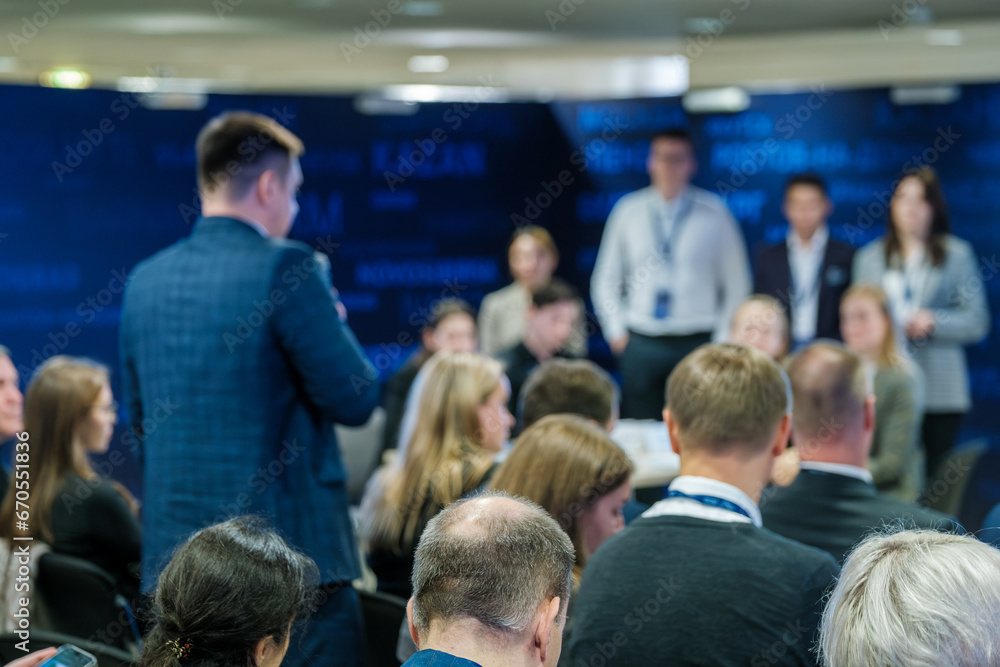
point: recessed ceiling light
(64, 77)
(422, 8)
(427, 64)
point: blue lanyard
(712, 501)
(666, 243)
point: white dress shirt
(845, 469)
(705, 486)
(806, 264)
(706, 275)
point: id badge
(662, 310)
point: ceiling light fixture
(427, 64)
(64, 77)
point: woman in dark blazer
(937, 300)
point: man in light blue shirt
(670, 272)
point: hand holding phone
(70, 656)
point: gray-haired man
(491, 583)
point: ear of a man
(545, 628)
(409, 622)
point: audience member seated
(565, 463)
(230, 597)
(533, 258)
(761, 322)
(490, 586)
(577, 473)
(70, 414)
(915, 599)
(451, 326)
(11, 407)
(833, 503)
(896, 460)
(696, 580)
(569, 386)
(808, 271)
(549, 325)
(462, 424)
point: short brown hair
(492, 558)
(574, 386)
(724, 395)
(829, 388)
(234, 149)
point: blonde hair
(725, 394)
(889, 353)
(540, 235)
(778, 314)
(565, 464)
(444, 458)
(61, 394)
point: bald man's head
(830, 387)
(492, 558)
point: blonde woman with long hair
(70, 414)
(896, 458)
(462, 423)
(577, 473)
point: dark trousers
(645, 365)
(334, 634)
(939, 431)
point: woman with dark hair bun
(229, 598)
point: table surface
(648, 445)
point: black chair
(382, 615)
(107, 656)
(80, 600)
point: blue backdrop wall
(414, 209)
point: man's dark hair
(674, 134)
(234, 149)
(567, 386)
(554, 291)
(809, 178)
(229, 586)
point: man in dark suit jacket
(236, 364)
(809, 271)
(696, 580)
(833, 503)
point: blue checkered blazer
(235, 365)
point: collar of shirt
(704, 486)
(817, 244)
(844, 469)
(669, 208)
(256, 225)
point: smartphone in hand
(70, 656)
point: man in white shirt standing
(809, 272)
(671, 271)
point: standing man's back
(697, 580)
(236, 364)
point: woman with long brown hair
(69, 414)
(462, 424)
(936, 298)
(896, 458)
(577, 473)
